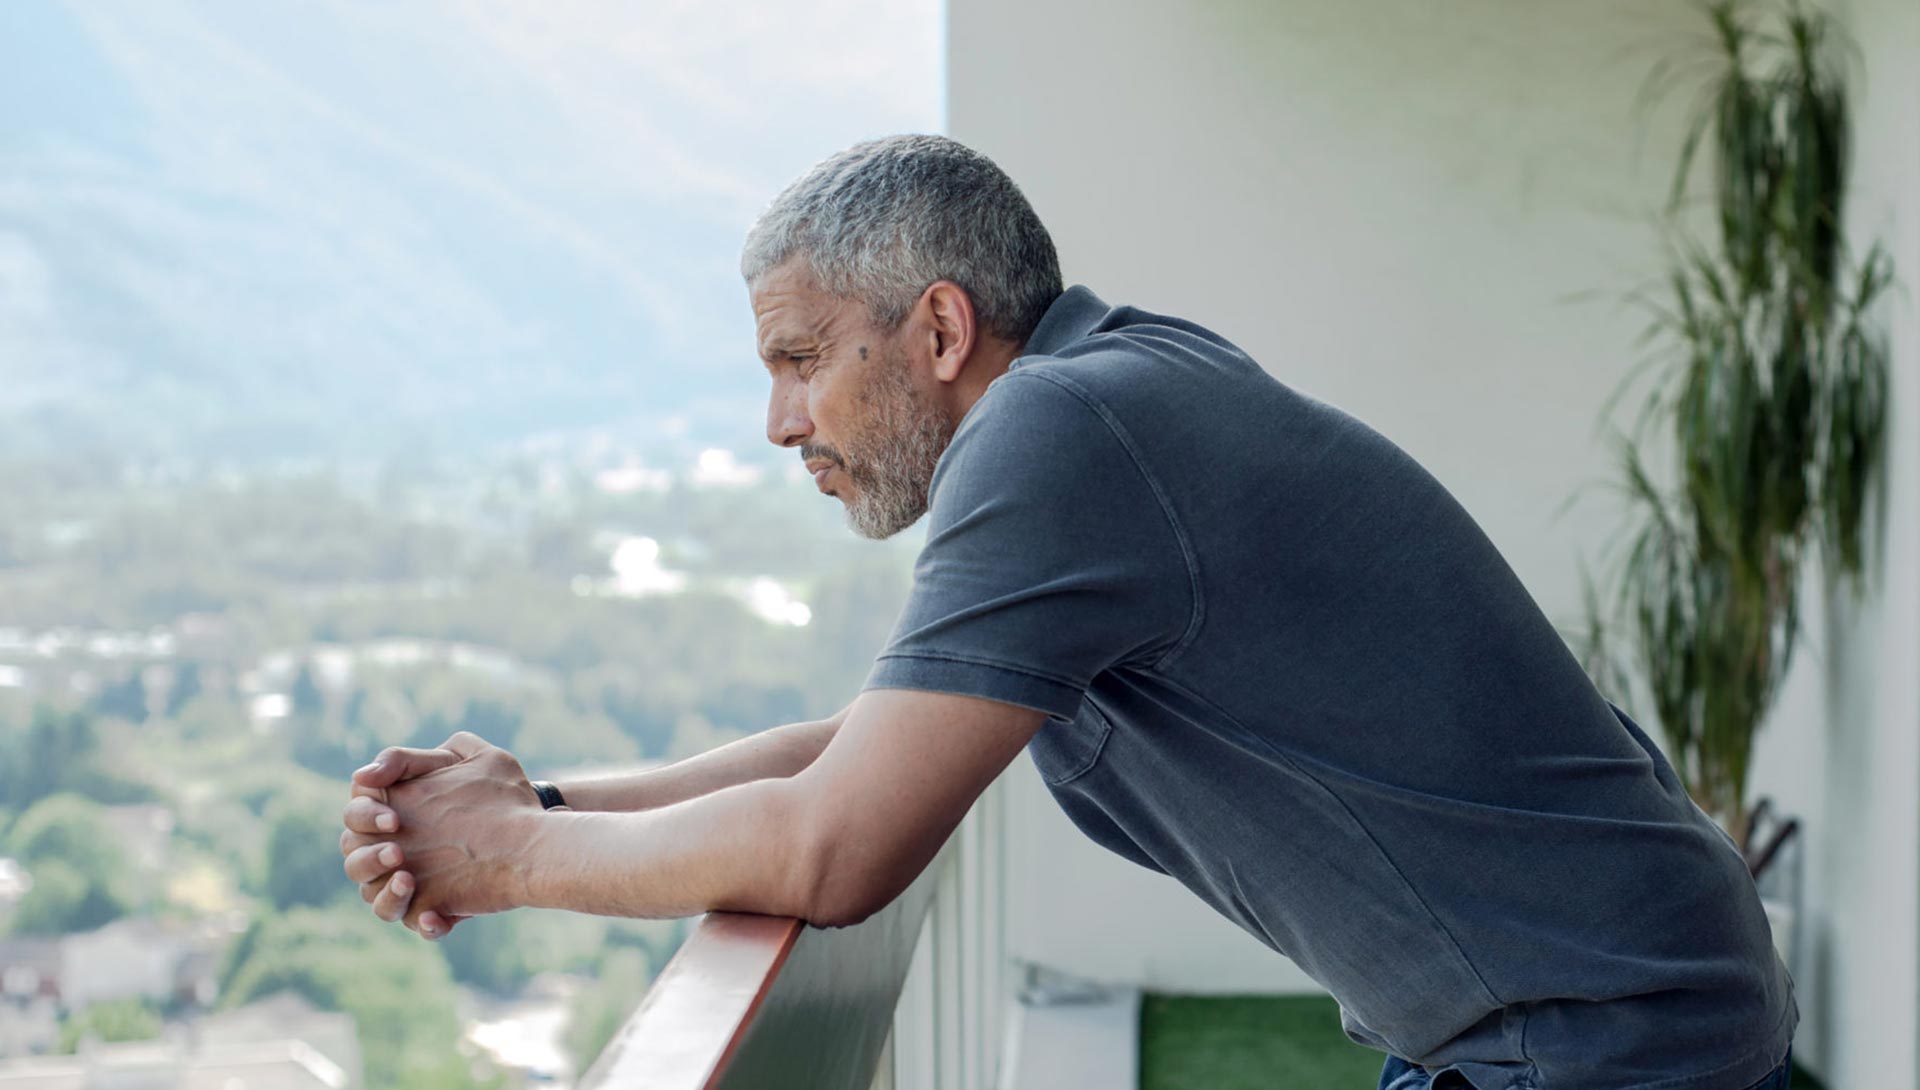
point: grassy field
(1261, 1042)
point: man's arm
(831, 844)
(370, 822)
(777, 752)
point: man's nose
(787, 421)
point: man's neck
(990, 360)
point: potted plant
(1773, 391)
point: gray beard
(893, 475)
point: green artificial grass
(1804, 1081)
(1258, 1042)
(1254, 1042)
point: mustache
(810, 451)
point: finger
(466, 744)
(396, 763)
(391, 903)
(435, 926)
(364, 815)
(373, 861)
(370, 890)
(350, 840)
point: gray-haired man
(1248, 642)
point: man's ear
(948, 319)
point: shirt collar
(1072, 315)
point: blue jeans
(1398, 1074)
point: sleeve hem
(936, 673)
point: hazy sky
(483, 209)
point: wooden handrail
(756, 1001)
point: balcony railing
(911, 996)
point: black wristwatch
(549, 794)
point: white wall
(1390, 205)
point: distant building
(286, 1016)
(279, 1043)
(139, 958)
(30, 967)
(29, 995)
(170, 1065)
(28, 1026)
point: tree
(116, 1020)
(553, 734)
(53, 824)
(396, 987)
(303, 856)
(488, 952)
(60, 751)
(186, 686)
(753, 707)
(64, 900)
(125, 698)
(356, 706)
(210, 716)
(305, 696)
(56, 746)
(67, 828)
(597, 1011)
(79, 874)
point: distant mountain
(242, 230)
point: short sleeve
(1051, 555)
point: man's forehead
(790, 311)
(783, 329)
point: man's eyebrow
(786, 346)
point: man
(1248, 642)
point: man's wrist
(529, 854)
(551, 860)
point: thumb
(396, 763)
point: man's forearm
(744, 848)
(831, 844)
(778, 752)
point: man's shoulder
(1132, 359)
(1039, 417)
(1040, 391)
(1038, 436)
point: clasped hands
(434, 836)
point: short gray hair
(883, 219)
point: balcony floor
(1260, 1042)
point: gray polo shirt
(1283, 665)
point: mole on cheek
(863, 351)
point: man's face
(851, 398)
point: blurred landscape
(369, 373)
(190, 669)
